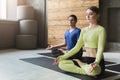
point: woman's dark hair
(94, 9)
(74, 16)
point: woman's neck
(92, 25)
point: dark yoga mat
(48, 54)
(54, 56)
(114, 67)
(47, 63)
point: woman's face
(71, 21)
(91, 16)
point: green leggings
(69, 66)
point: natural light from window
(2, 9)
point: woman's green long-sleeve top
(94, 38)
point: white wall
(40, 13)
(21, 2)
(11, 9)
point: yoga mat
(114, 67)
(48, 54)
(47, 63)
(54, 56)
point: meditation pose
(71, 37)
(93, 38)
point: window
(2, 9)
(8, 9)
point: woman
(93, 38)
(71, 37)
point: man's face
(71, 21)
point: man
(71, 36)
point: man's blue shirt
(72, 37)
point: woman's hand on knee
(93, 66)
(56, 61)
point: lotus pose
(93, 38)
(71, 37)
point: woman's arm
(101, 44)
